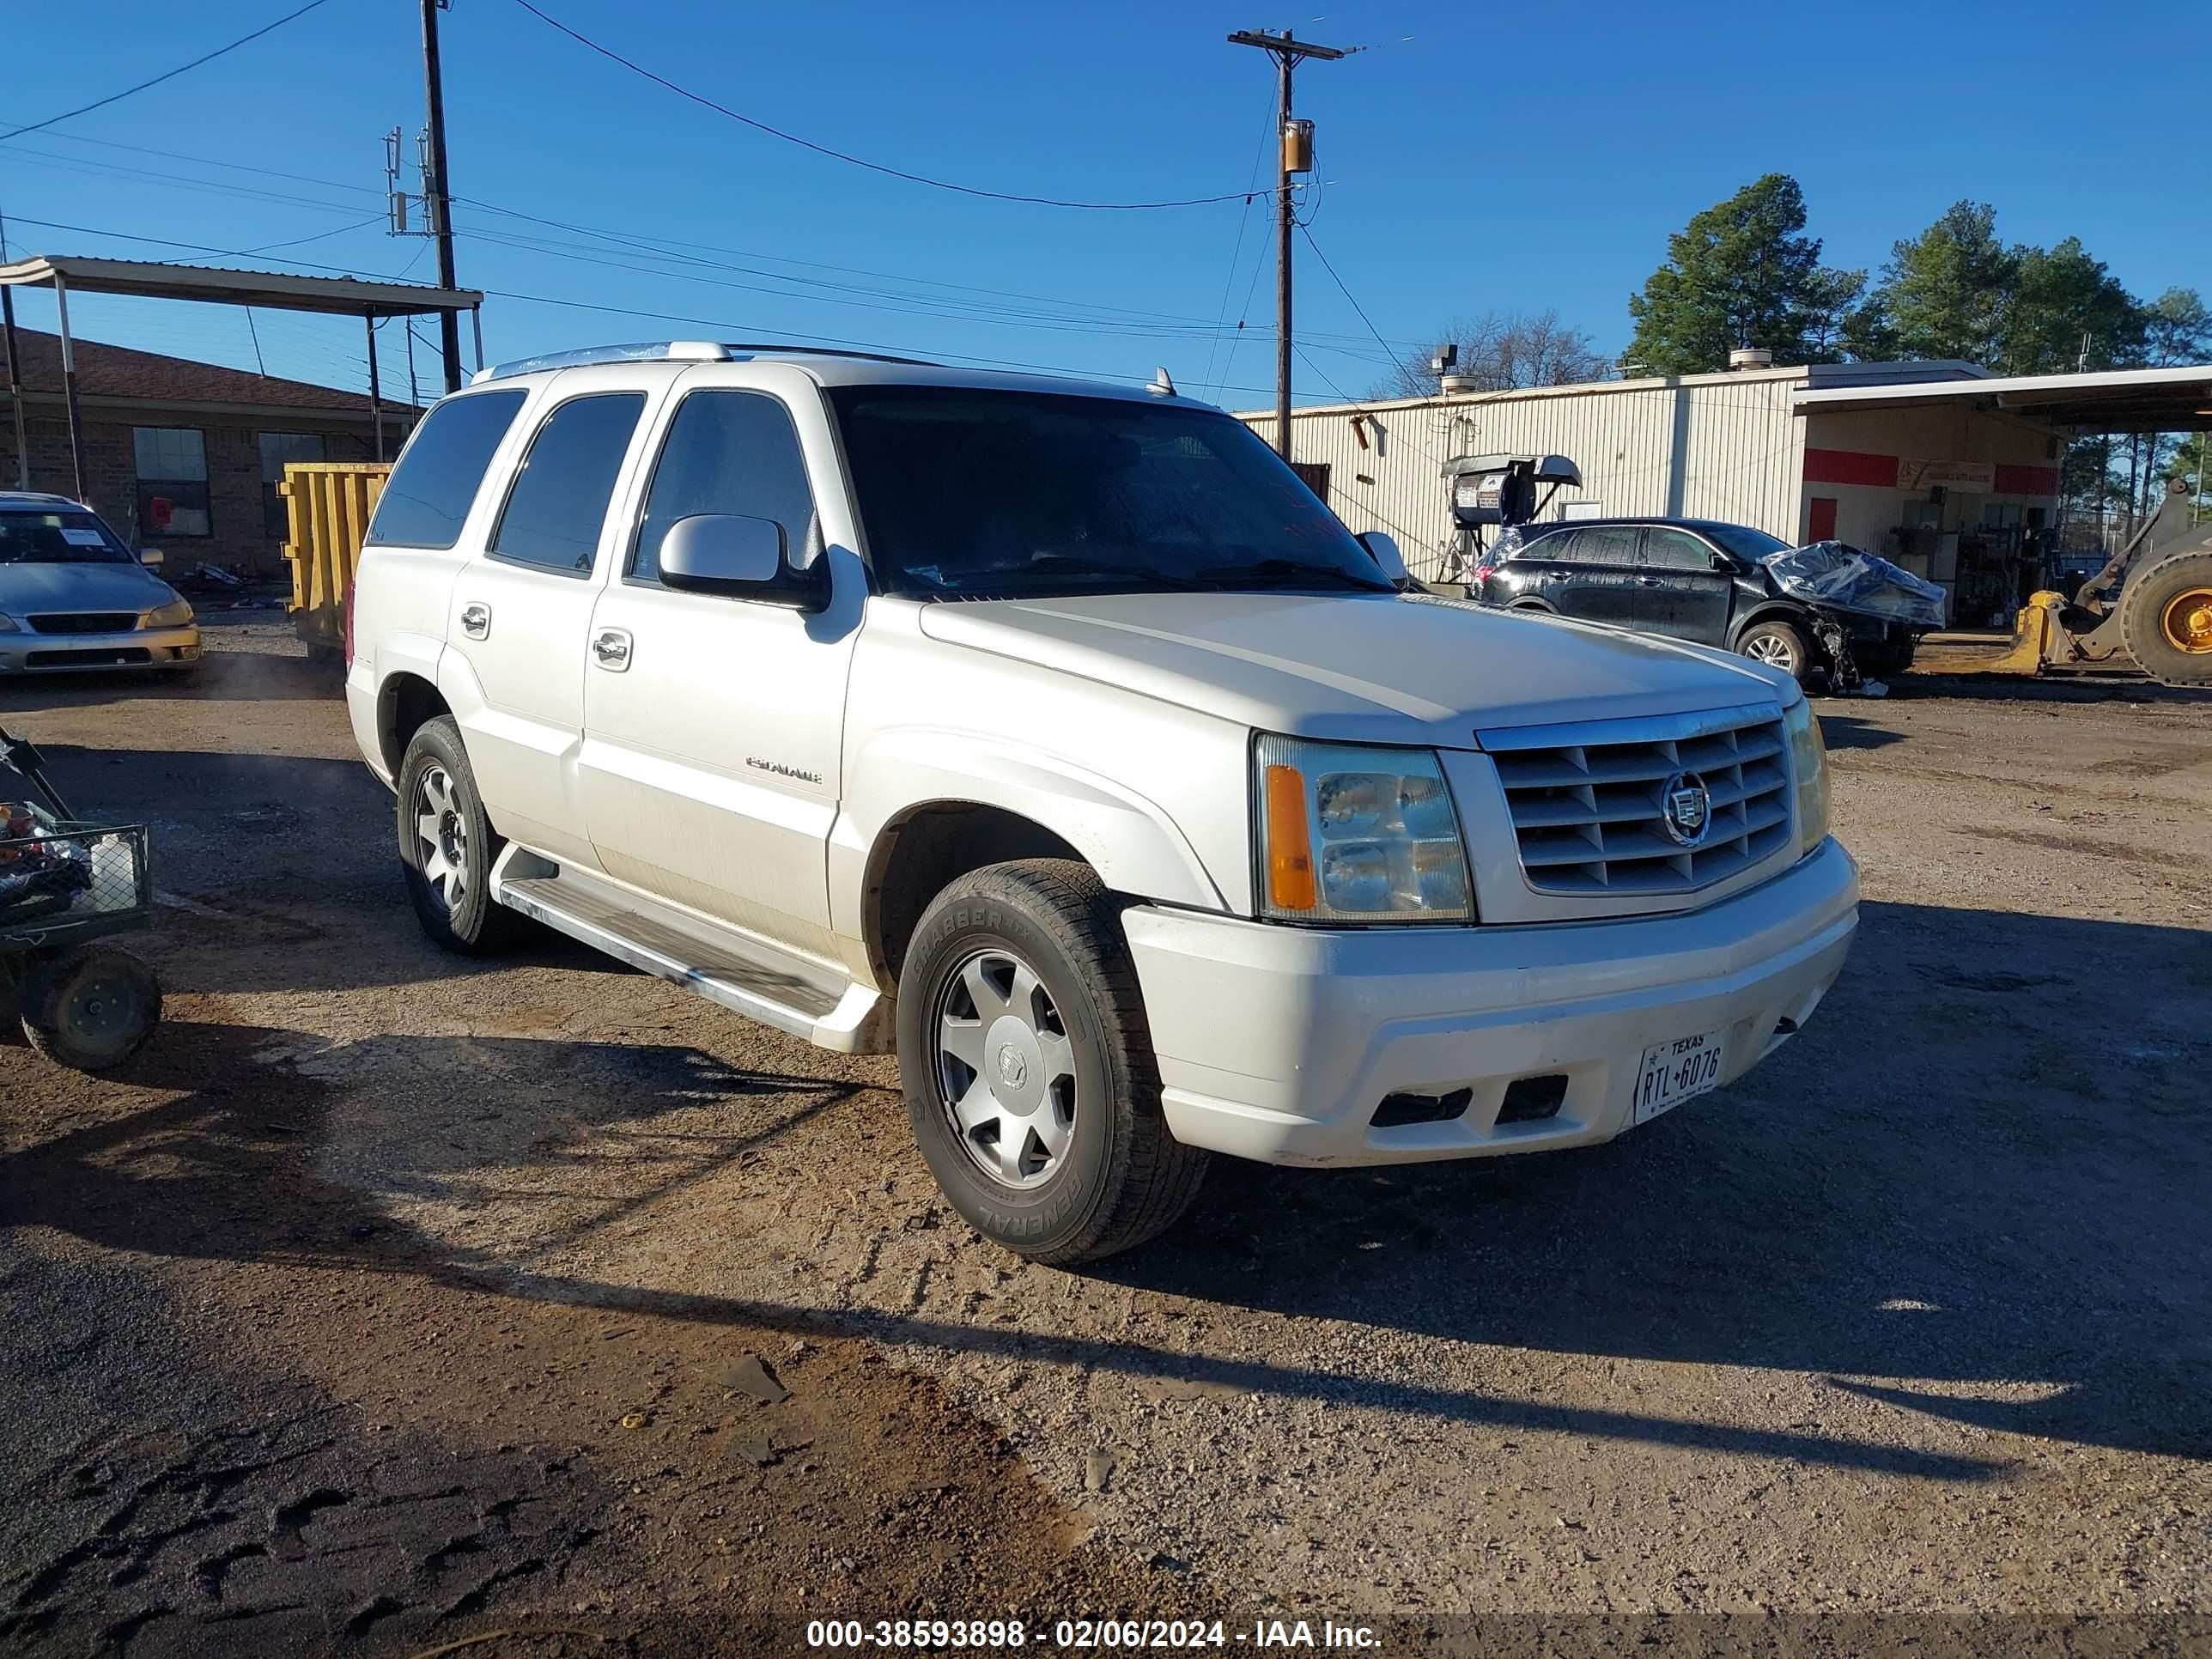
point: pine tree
(1743, 273)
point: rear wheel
(2165, 619)
(447, 846)
(1028, 1067)
(1778, 645)
(91, 1009)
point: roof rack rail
(682, 351)
(736, 347)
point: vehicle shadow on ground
(221, 677)
(2001, 1223)
(1852, 732)
(252, 1168)
(275, 873)
(2006, 1232)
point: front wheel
(1778, 645)
(1028, 1067)
(91, 1009)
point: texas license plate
(1672, 1072)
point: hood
(25, 589)
(1377, 669)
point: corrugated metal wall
(1721, 446)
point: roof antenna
(1160, 385)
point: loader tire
(2165, 620)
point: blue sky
(1499, 158)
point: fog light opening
(1399, 1109)
(1532, 1099)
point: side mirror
(1383, 550)
(149, 556)
(739, 557)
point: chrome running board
(748, 975)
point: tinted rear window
(431, 490)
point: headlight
(1349, 834)
(175, 614)
(1808, 764)
(9, 624)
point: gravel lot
(398, 1299)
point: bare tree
(1505, 351)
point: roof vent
(1745, 357)
(1451, 383)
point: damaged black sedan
(1825, 612)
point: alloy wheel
(442, 829)
(1005, 1069)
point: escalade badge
(1687, 809)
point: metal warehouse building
(1950, 471)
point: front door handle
(476, 620)
(1647, 582)
(612, 648)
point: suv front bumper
(1278, 1043)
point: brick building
(181, 455)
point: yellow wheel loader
(2152, 602)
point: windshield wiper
(1078, 565)
(1287, 572)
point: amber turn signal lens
(1289, 847)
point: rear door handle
(1647, 582)
(612, 648)
(476, 620)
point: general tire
(458, 915)
(2146, 604)
(1124, 1178)
(91, 1009)
(1779, 645)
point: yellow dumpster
(330, 505)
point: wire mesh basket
(57, 877)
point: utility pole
(1296, 141)
(437, 197)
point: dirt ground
(397, 1301)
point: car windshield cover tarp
(1840, 577)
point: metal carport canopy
(147, 279)
(344, 296)
(2110, 400)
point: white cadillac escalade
(1056, 738)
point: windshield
(37, 536)
(1749, 544)
(1010, 495)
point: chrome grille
(1588, 801)
(84, 622)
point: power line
(319, 236)
(166, 75)
(1041, 323)
(718, 323)
(1237, 254)
(1347, 294)
(1102, 318)
(198, 248)
(706, 102)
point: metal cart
(66, 888)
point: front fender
(1129, 840)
